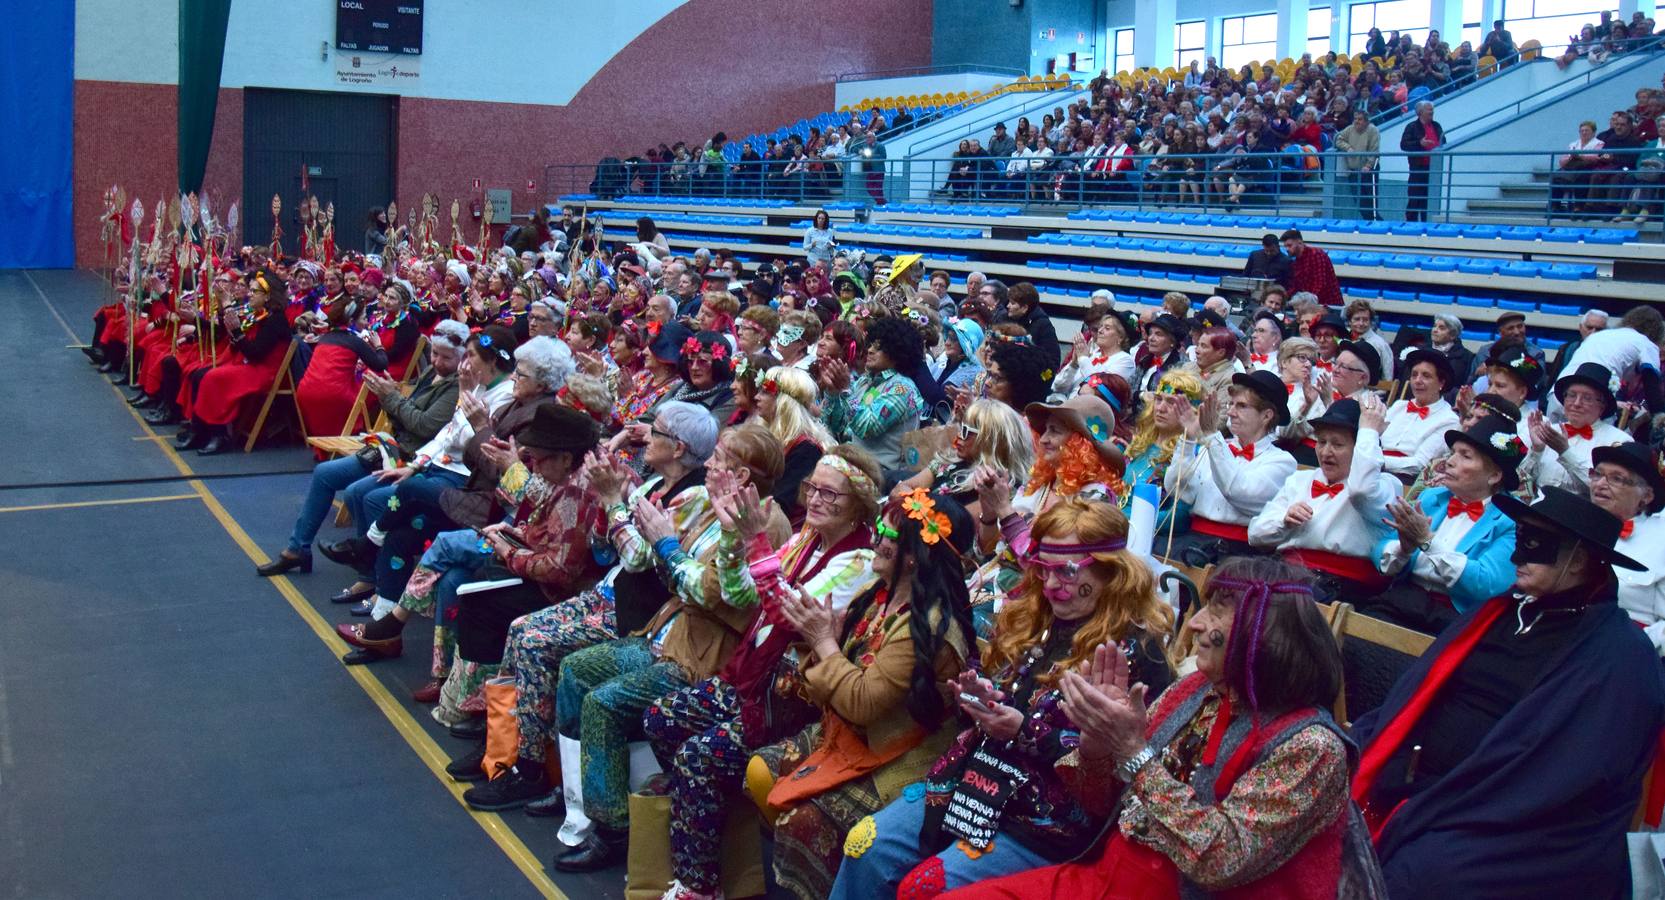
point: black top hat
(1637, 458)
(1173, 325)
(1568, 518)
(1372, 360)
(1440, 362)
(1276, 321)
(557, 427)
(1595, 376)
(1494, 404)
(1328, 320)
(1343, 413)
(1497, 440)
(1270, 388)
(1521, 364)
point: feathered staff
(392, 231)
(329, 234)
(137, 216)
(456, 229)
(231, 222)
(277, 226)
(486, 214)
(110, 233)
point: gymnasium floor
(172, 725)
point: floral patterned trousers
(537, 645)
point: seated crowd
(1618, 171)
(870, 557)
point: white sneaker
(375, 535)
(678, 891)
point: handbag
(503, 733)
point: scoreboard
(379, 26)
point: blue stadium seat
(1394, 294)
(1556, 309)
(1438, 264)
(1477, 267)
(1400, 261)
(1436, 297)
(1471, 334)
(1560, 272)
(1475, 302)
(1519, 269)
(1374, 227)
(1209, 249)
(1367, 293)
(1524, 306)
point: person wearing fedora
(1508, 759)
(1627, 482)
(1227, 481)
(1330, 519)
(1356, 370)
(1417, 424)
(1511, 332)
(1561, 453)
(1451, 547)
(1326, 332)
(903, 283)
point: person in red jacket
(330, 386)
(1312, 270)
(258, 339)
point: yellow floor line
(81, 504)
(426, 749)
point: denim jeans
(343, 474)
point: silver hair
(691, 424)
(1303, 297)
(1424, 103)
(1451, 322)
(550, 359)
(450, 333)
(1223, 306)
(1591, 316)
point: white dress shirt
(1570, 469)
(1300, 413)
(1438, 567)
(1642, 594)
(1223, 486)
(445, 449)
(1421, 439)
(1346, 524)
(1621, 350)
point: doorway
(346, 142)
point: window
(1473, 31)
(1189, 40)
(1123, 56)
(1550, 22)
(1404, 16)
(1318, 31)
(1247, 39)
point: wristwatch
(1128, 768)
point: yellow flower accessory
(860, 838)
(933, 525)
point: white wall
(848, 93)
(479, 50)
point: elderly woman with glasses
(604, 690)
(704, 734)
(707, 374)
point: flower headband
(857, 478)
(1098, 384)
(933, 525)
(1023, 339)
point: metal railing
(1592, 76)
(1516, 187)
(911, 71)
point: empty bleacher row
(1551, 274)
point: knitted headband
(858, 478)
(1243, 645)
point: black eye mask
(1535, 545)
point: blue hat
(667, 346)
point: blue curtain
(37, 105)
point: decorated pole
(277, 227)
(138, 216)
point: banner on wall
(376, 69)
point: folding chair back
(282, 385)
(1374, 654)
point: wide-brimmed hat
(1594, 376)
(1567, 518)
(1366, 354)
(855, 284)
(557, 427)
(1638, 458)
(1268, 387)
(903, 263)
(1328, 320)
(1497, 440)
(1440, 362)
(667, 345)
(1084, 414)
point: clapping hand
(994, 718)
(1465, 400)
(994, 490)
(1413, 525)
(379, 385)
(1109, 713)
(1298, 514)
(738, 511)
(1545, 434)
(474, 410)
(1372, 414)
(815, 619)
(500, 453)
(835, 375)
(652, 521)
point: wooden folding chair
(415, 360)
(1374, 654)
(282, 385)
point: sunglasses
(1068, 571)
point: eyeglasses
(1068, 571)
(1354, 369)
(1620, 480)
(967, 431)
(519, 374)
(814, 492)
(656, 432)
(1580, 398)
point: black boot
(218, 442)
(513, 787)
(601, 850)
(195, 436)
(93, 352)
(163, 414)
(144, 401)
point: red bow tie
(1320, 489)
(1325, 364)
(1259, 357)
(1337, 395)
(1586, 432)
(1242, 452)
(1473, 510)
(1416, 410)
(1627, 528)
(1289, 389)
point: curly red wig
(1079, 464)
